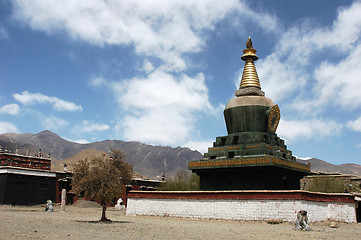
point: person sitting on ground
(49, 206)
(302, 221)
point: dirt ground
(24, 222)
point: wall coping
(26, 171)
(246, 195)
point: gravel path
(32, 222)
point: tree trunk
(104, 205)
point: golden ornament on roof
(249, 43)
(249, 76)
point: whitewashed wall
(242, 209)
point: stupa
(251, 156)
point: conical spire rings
(250, 84)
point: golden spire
(249, 76)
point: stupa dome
(249, 110)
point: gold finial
(249, 76)
(249, 43)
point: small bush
(330, 185)
(183, 181)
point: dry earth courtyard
(32, 222)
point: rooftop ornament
(250, 84)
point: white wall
(285, 210)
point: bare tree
(102, 178)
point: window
(223, 141)
(235, 139)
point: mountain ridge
(318, 165)
(148, 160)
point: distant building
(139, 184)
(331, 182)
(24, 161)
(27, 180)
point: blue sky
(161, 72)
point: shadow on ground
(98, 221)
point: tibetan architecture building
(251, 156)
(26, 180)
(18, 160)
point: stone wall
(223, 205)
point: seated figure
(49, 206)
(302, 221)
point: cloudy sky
(161, 72)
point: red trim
(246, 195)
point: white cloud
(53, 123)
(345, 31)
(81, 141)
(201, 146)
(279, 79)
(164, 29)
(162, 108)
(313, 66)
(28, 98)
(12, 109)
(340, 83)
(306, 129)
(88, 127)
(161, 90)
(61, 105)
(354, 125)
(6, 127)
(147, 66)
(98, 82)
(303, 158)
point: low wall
(244, 205)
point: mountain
(83, 154)
(147, 160)
(47, 141)
(150, 161)
(318, 165)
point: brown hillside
(86, 153)
(318, 165)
